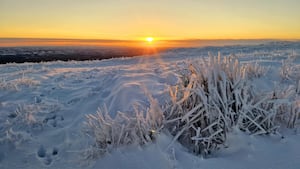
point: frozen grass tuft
(17, 126)
(107, 132)
(214, 97)
(254, 70)
(289, 70)
(14, 85)
(288, 111)
(5, 85)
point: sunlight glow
(149, 39)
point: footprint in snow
(73, 101)
(53, 119)
(44, 157)
(41, 152)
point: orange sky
(162, 19)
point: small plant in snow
(107, 132)
(14, 84)
(26, 82)
(5, 85)
(28, 117)
(14, 138)
(288, 101)
(290, 71)
(13, 125)
(254, 70)
(23, 115)
(294, 119)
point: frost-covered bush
(13, 138)
(289, 109)
(289, 70)
(5, 85)
(27, 118)
(288, 101)
(24, 116)
(211, 98)
(254, 70)
(107, 132)
(294, 118)
(26, 82)
(14, 84)
(15, 126)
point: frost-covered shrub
(13, 138)
(289, 70)
(211, 98)
(107, 132)
(289, 109)
(288, 101)
(254, 70)
(25, 117)
(5, 85)
(257, 116)
(15, 126)
(26, 82)
(14, 84)
(294, 118)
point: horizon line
(131, 40)
(159, 43)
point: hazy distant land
(20, 50)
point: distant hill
(80, 53)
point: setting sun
(149, 39)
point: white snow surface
(43, 108)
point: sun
(149, 39)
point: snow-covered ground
(43, 107)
